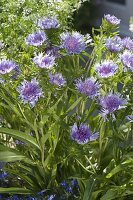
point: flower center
(105, 70)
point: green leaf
(26, 177)
(74, 104)
(8, 156)
(89, 189)
(56, 131)
(110, 195)
(119, 168)
(15, 190)
(127, 192)
(96, 193)
(47, 160)
(20, 136)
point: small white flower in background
(131, 27)
(131, 24)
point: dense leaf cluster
(36, 149)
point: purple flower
(66, 186)
(112, 19)
(32, 198)
(51, 197)
(70, 187)
(57, 79)
(46, 61)
(41, 193)
(128, 43)
(112, 102)
(73, 42)
(127, 60)
(114, 44)
(74, 183)
(6, 66)
(16, 73)
(30, 92)
(106, 69)
(82, 134)
(53, 51)
(48, 23)
(15, 197)
(89, 87)
(3, 175)
(36, 39)
(18, 142)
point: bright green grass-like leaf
(119, 168)
(8, 156)
(20, 136)
(15, 190)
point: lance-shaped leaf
(20, 136)
(89, 189)
(15, 190)
(9, 156)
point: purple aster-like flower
(82, 134)
(36, 39)
(89, 87)
(46, 61)
(6, 66)
(73, 42)
(127, 60)
(112, 102)
(30, 92)
(114, 44)
(106, 69)
(112, 19)
(128, 43)
(48, 23)
(57, 79)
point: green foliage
(35, 141)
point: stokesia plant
(66, 116)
